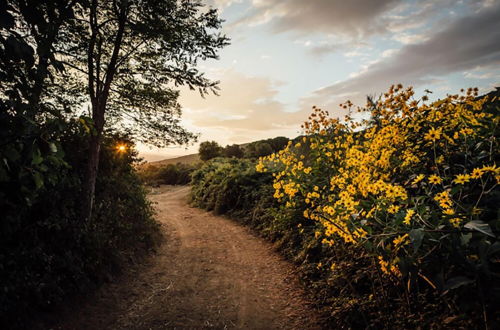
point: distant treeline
(261, 148)
(180, 173)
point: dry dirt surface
(209, 273)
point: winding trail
(209, 273)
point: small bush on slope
(171, 174)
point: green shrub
(209, 150)
(48, 254)
(233, 151)
(172, 174)
(346, 280)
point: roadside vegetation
(178, 171)
(81, 82)
(392, 218)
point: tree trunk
(99, 98)
(91, 176)
(98, 110)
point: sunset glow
(286, 56)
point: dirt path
(210, 273)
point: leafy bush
(47, 253)
(266, 147)
(171, 174)
(228, 185)
(422, 280)
(416, 186)
(233, 151)
(209, 150)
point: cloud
(222, 4)
(245, 103)
(349, 47)
(466, 43)
(408, 38)
(484, 71)
(355, 18)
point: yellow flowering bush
(413, 181)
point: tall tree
(233, 151)
(29, 120)
(209, 150)
(133, 54)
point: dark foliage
(266, 147)
(47, 253)
(209, 150)
(353, 295)
(233, 151)
(172, 174)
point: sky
(289, 55)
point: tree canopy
(233, 151)
(132, 55)
(209, 150)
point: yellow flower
(434, 179)
(462, 178)
(419, 178)
(477, 173)
(393, 209)
(383, 265)
(408, 216)
(259, 167)
(433, 134)
(455, 222)
(449, 211)
(400, 240)
(444, 199)
(395, 271)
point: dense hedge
(233, 187)
(355, 286)
(415, 184)
(172, 174)
(48, 254)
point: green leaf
(456, 282)
(416, 237)
(53, 147)
(37, 177)
(37, 157)
(479, 226)
(495, 248)
(465, 239)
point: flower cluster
(409, 168)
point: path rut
(209, 273)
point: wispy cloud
(355, 18)
(247, 103)
(465, 44)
